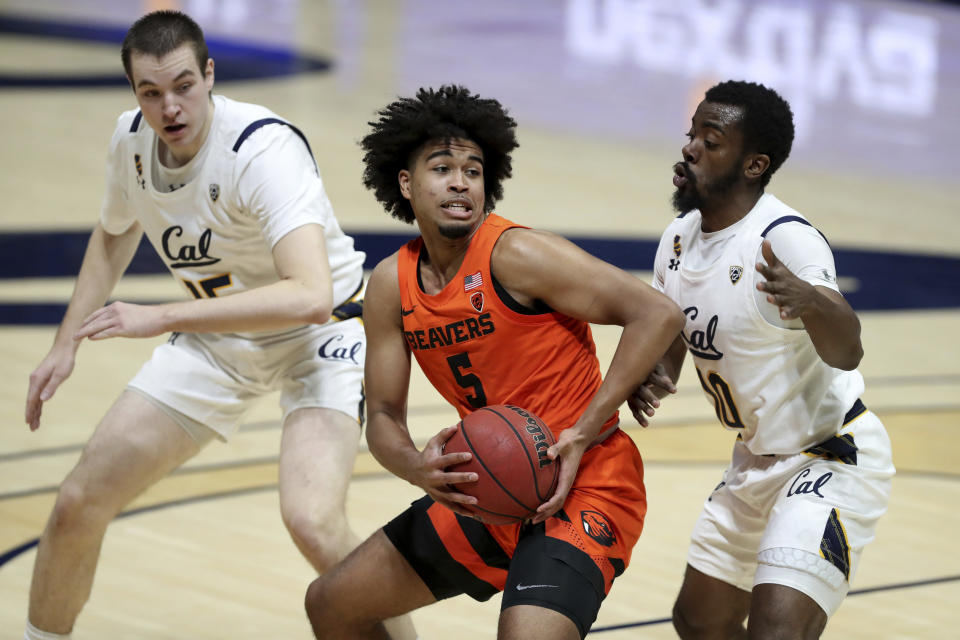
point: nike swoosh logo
(522, 587)
(406, 312)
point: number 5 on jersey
(467, 380)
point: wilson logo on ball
(535, 429)
(509, 455)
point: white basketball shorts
(800, 520)
(213, 379)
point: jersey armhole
(539, 306)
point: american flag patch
(472, 281)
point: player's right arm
(662, 381)
(105, 260)
(645, 400)
(387, 382)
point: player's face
(174, 96)
(445, 186)
(713, 158)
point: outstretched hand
(566, 452)
(431, 474)
(791, 294)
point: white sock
(32, 633)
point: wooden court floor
(203, 554)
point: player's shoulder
(246, 127)
(383, 283)
(778, 218)
(130, 122)
(130, 127)
(386, 269)
(525, 249)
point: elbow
(673, 318)
(318, 307)
(852, 361)
(848, 360)
(318, 313)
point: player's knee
(326, 616)
(682, 623)
(324, 539)
(77, 511)
(315, 604)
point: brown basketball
(509, 447)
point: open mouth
(680, 175)
(458, 207)
(175, 128)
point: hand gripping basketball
(509, 447)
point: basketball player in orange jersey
(494, 313)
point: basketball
(509, 447)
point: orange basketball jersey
(478, 347)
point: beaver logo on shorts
(597, 527)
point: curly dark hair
(444, 114)
(767, 122)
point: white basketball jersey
(766, 382)
(257, 182)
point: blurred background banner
(874, 86)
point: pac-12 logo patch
(736, 271)
(477, 301)
(596, 526)
(214, 191)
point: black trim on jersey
(856, 411)
(539, 306)
(136, 122)
(786, 219)
(253, 126)
(419, 265)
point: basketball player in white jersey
(775, 347)
(231, 198)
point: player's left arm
(537, 265)
(303, 295)
(831, 323)
(279, 185)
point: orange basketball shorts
(593, 534)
